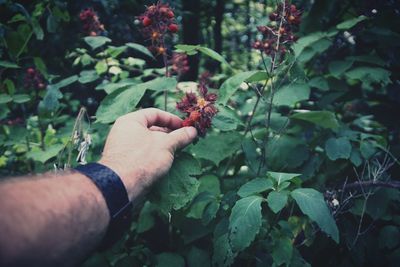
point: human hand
(140, 147)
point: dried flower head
(284, 22)
(90, 22)
(158, 20)
(199, 110)
(34, 79)
(179, 63)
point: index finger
(155, 117)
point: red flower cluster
(285, 21)
(199, 109)
(91, 22)
(179, 63)
(34, 79)
(158, 20)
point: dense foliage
(297, 105)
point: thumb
(181, 137)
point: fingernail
(191, 132)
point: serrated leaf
(255, 186)
(125, 99)
(338, 148)
(292, 93)
(325, 119)
(217, 147)
(348, 24)
(179, 187)
(245, 222)
(140, 48)
(231, 85)
(96, 41)
(312, 204)
(277, 200)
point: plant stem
(166, 75)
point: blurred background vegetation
(347, 55)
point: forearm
(51, 220)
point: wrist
(132, 179)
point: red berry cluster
(34, 79)
(179, 63)
(199, 109)
(91, 22)
(284, 21)
(158, 20)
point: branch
(360, 185)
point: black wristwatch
(116, 197)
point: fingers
(160, 129)
(181, 137)
(154, 117)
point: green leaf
(286, 152)
(21, 98)
(230, 86)
(312, 204)
(50, 101)
(37, 29)
(65, 82)
(125, 99)
(44, 156)
(255, 186)
(325, 119)
(320, 83)
(226, 119)
(87, 76)
(217, 147)
(348, 24)
(338, 148)
(369, 76)
(4, 99)
(96, 41)
(198, 258)
(277, 200)
(179, 187)
(41, 66)
(146, 219)
(292, 93)
(389, 237)
(281, 177)
(110, 87)
(245, 222)
(101, 67)
(167, 259)
(282, 251)
(212, 54)
(140, 48)
(8, 64)
(193, 49)
(338, 67)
